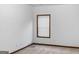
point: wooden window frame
(49, 25)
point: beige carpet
(43, 49)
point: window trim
(49, 25)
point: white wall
(64, 24)
(15, 27)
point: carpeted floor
(43, 49)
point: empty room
(39, 28)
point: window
(43, 25)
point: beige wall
(15, 27)
(64, 24)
